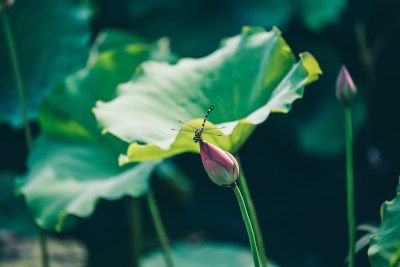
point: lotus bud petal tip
(220, 165)
(345, 88)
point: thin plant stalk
(27, 130)
(350, 186)
(252, 214)
(158, 224)
(249, 227)
(134, 212)
(43, 248)
(17, 75)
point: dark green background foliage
(294, 162)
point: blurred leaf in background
(52, 40)
(204, 254)
(189, 23)
(316, 14)
(269, 13)
(322, 134)
(319, 118)
(148, 106)
(13, 212)
(72, 165)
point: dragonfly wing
(183, 130)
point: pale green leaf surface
(204, 254)
(248, 77)
(384, 250)
(72, 165)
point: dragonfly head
(197, 135)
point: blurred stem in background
(252, 214)
(135, 222)
(28, 134)
(249, 228)
(162, 235)
(350, 186)
(17, 75)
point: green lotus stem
(350, 186)
(162, 235)
(135, 222)
(252, 213)
(43, 248)
(249, 227)
(27, 130)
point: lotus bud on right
(345, 88)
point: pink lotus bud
(220, 165)
(345, 88)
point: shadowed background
(294, 162)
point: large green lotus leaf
(52, 40)
(204, 254)
(68, 178)
(67, 111)
(251, 75)
(384, 250)
(72, 165)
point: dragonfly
(198, 132)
